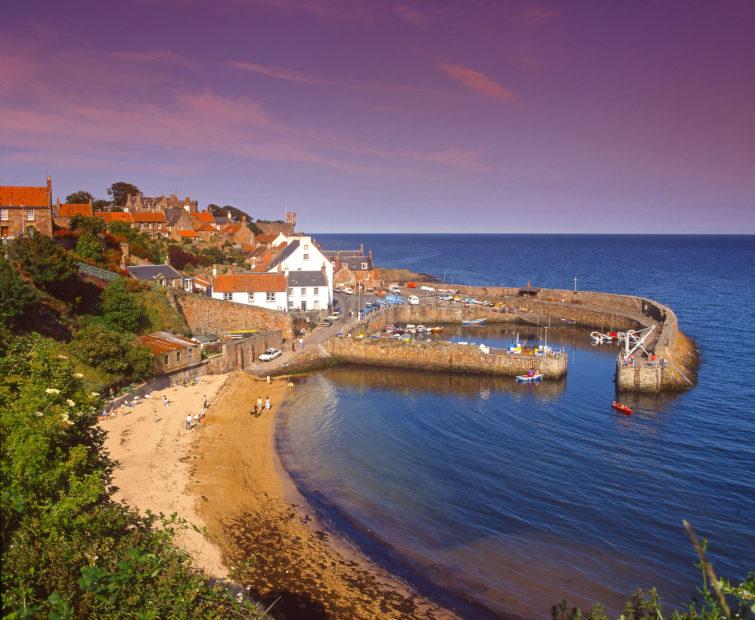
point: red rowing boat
(622, 408)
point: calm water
(517, 496)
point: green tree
(92, 225)
(180, 258)
(17, 296)
(120, 190)
(120, 308)
(113, 352)
(49, 266)
(68, 550)
(80, 197)
(101, 205)
(89, 247)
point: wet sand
(268, 536)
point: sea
(500, 500)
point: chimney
(361, 249)
(228, 215)
(370, 255)
(214, 271)
(125, 254)
(49, 190)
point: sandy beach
(224, 475)
(268, 536)
(153, 450)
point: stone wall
(238, 354)
(442, 356)
(205, 315)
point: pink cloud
(158, 55)
(533, 16)
(278, 73)
(478, 82)
(411, 15)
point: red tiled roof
(188, 233)
(248, 247)
(205, 228)
(17, 196)
(71, 209)
(231, 228)
(202, 281)
(204, 216)
(266, 238)
(141, 217)
(114, 216)
(248, 282)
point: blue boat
(530, 377)
(473, 322)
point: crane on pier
(635, 339)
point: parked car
(326, 322)
(348, 290)
(414, 300)
(269, 355)
(394, 288)
(335, 315)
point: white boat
(473, 322)
(599, 338)
(529, 378)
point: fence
(96, 272)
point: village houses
(23, 208)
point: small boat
(568, 321)
(531, 377)
(435, 330)
(599, 338)
(473, 322)
(622, 408)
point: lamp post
(575, 284)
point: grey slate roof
(173, 215)
(284, 254)
(355, 262)
(154, 272)
(307, 278)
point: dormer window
(365, 266)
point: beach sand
(268, 535)
(152, 448)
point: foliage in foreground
(69, 550)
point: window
(269, 296)
(29, 215)
(316, 290)
(290, 291)
(290, 303)
(366, 277)
(306, 246)
(306, 257)
(303, 291)
(250, 297)
(333, 263)
(365, 266)
(191, 353)
(178, 356)
(227, 296)
(165, 360)
(4, 215)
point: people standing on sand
(267, 404)
(259, 404)
(301, 343)
(165, 400)
(196, 419)
(254, 411)
(202, 413)
(268, 380)
(204, 404)
(188, 421)
(290, 385)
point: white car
(348, 290)
(270, 355)
(335, 315)
(414, 300)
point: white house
(308, 290)
(301, 254)
(266, 290)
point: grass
(160, 315)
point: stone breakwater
(443, 356)
(605, 311)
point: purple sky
(429, 116)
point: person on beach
(165, 400)
(196, 419)
(290, 385)
(268, 380)
(301, 343)
(254, 411)
(202, 413)
(293, 346)
(259, 404)
(188, 422)
(267, 404)
(204, 404)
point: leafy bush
(89, 247)
(91, 225)
(120, 308)
(49, 266)
(113, 352)
(140, 245)
(69, 550)
(17, 296)
(180, 258)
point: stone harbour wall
(239, 354)
(206, 315)
(442, 356)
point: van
(414, 300)
(394, 288)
